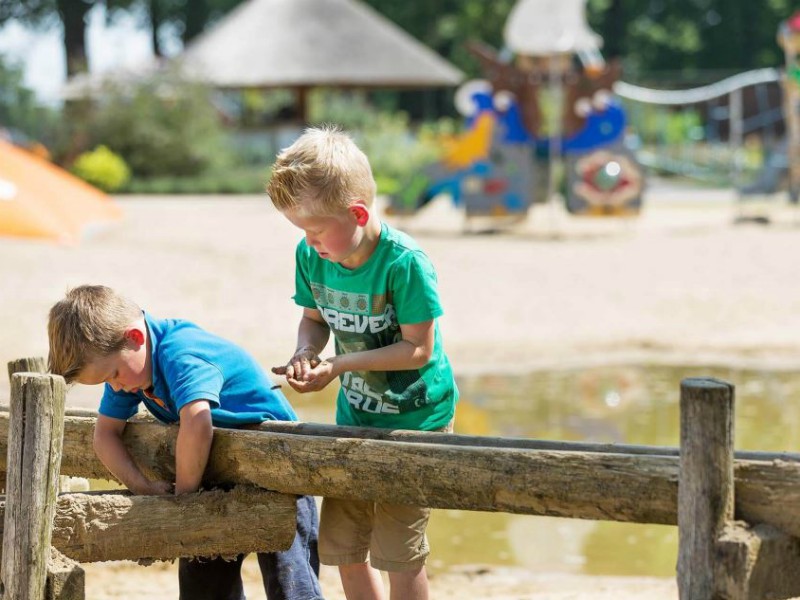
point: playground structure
(789, 40)
(705, 133)
(552, 103)
(702, 488)
(558, 111)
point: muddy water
(631, 405)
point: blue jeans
(288, 575)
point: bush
(163, 126)
(102, 168)
(242, 180)
(395, 149)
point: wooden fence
(738, 514)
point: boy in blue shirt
(376, 290)
(186, 375)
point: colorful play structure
(552, 116)
(40, 200)
(789, 39)
(551, 104)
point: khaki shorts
(392, 536)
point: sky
(41, 53)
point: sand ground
(682, 283)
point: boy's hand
(304, 360)
(316, 378)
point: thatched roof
(309, 43)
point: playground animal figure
(499, 165)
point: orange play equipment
(40, 200)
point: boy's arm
(111, 451)
(312, 336)
(412, 352)
(193, 446)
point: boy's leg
(210, 579)
(293, 574)
(409, 585)
(399, 546)
(345, 531)
(361, 582)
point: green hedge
(234, 181)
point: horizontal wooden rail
(583, 485)
(102, 526)
(450, 439)
(567, 483)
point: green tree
(71, 14)
(19, 109)
(189, 18)
(685, 36)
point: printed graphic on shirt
(354, 303)
(366, 322)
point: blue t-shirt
(192, 364)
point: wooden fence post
(705, 483)
(34, 456)
(718, 557)
(65, 577)
(33, 364)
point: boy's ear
(360, 212)
(135, 336)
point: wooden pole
(705, 483)
(34, 455)
(34, 364)
(65, 578)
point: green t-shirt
(364, 308)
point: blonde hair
(322, 172)
(89, 323)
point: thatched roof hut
(301, 44)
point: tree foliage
(685, 36)
(19, 109)
(651, 35)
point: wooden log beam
(591, 485)
(451, 439)
(34, 442)
(102, 526)
(606, 485)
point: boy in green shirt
(376, 290)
